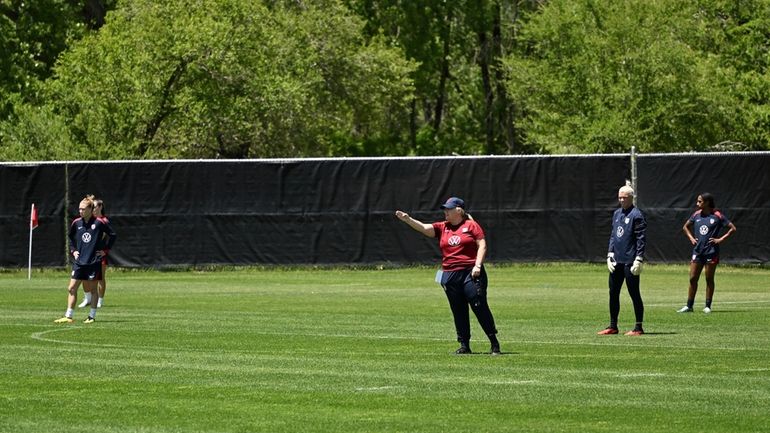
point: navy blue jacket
(628, 238)
(86, 238)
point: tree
(228, 79)
(592, 76)
(736, 33)
(33, 34)
(461, 103)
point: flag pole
(32, 226)
(29, 263)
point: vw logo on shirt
(86, 237)
(619, 232)
(704, 229)
(453, 241)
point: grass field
(371, 351)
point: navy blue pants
(463, 291)
(623, 272)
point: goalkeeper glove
(636, 267)
(611, 262)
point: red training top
(458, 243)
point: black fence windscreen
(340, 211)
(740, 182)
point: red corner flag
(32, 225)
(33, 217)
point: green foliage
(228, 79)
(32, 36)
(595, 76)
(447, 114)
(288, 78)
(37, 135)
(737, 35)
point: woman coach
(462, 274)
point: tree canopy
(593, 76)
(144, 79)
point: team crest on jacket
(453, 241)
(627, 220)
(620, 232)
(93, 226)
(86, 237)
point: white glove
(611, 262)
(636, 267)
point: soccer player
(462, 275)
(102, 283)
(86, 248)
(624, 259)
(708, 222)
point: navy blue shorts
(706, 259)
(87, 272)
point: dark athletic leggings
(623, 272)
(463, 291)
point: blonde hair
(627, 188)
(465, 214)
(89, 200)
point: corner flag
(32, 226)
(33, 217)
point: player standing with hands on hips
(624, 259)
(85, 237)
(462, 274)
(708, 222)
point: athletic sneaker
(707, 310)
(88, 320)
(494, 350)
(84, 304)
(608, 331)
(635, 332)
(64, 319)
(463, 350)
(684, 309)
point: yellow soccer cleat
(89, 319)
(64, 320)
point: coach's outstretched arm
(426, 229)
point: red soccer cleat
(608, 331)
(635, 332)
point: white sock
(93, 313)
(88, 297)
(68, 313)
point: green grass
(308, 350)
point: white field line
(42, 336)
(717, 302)
(509, 345)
